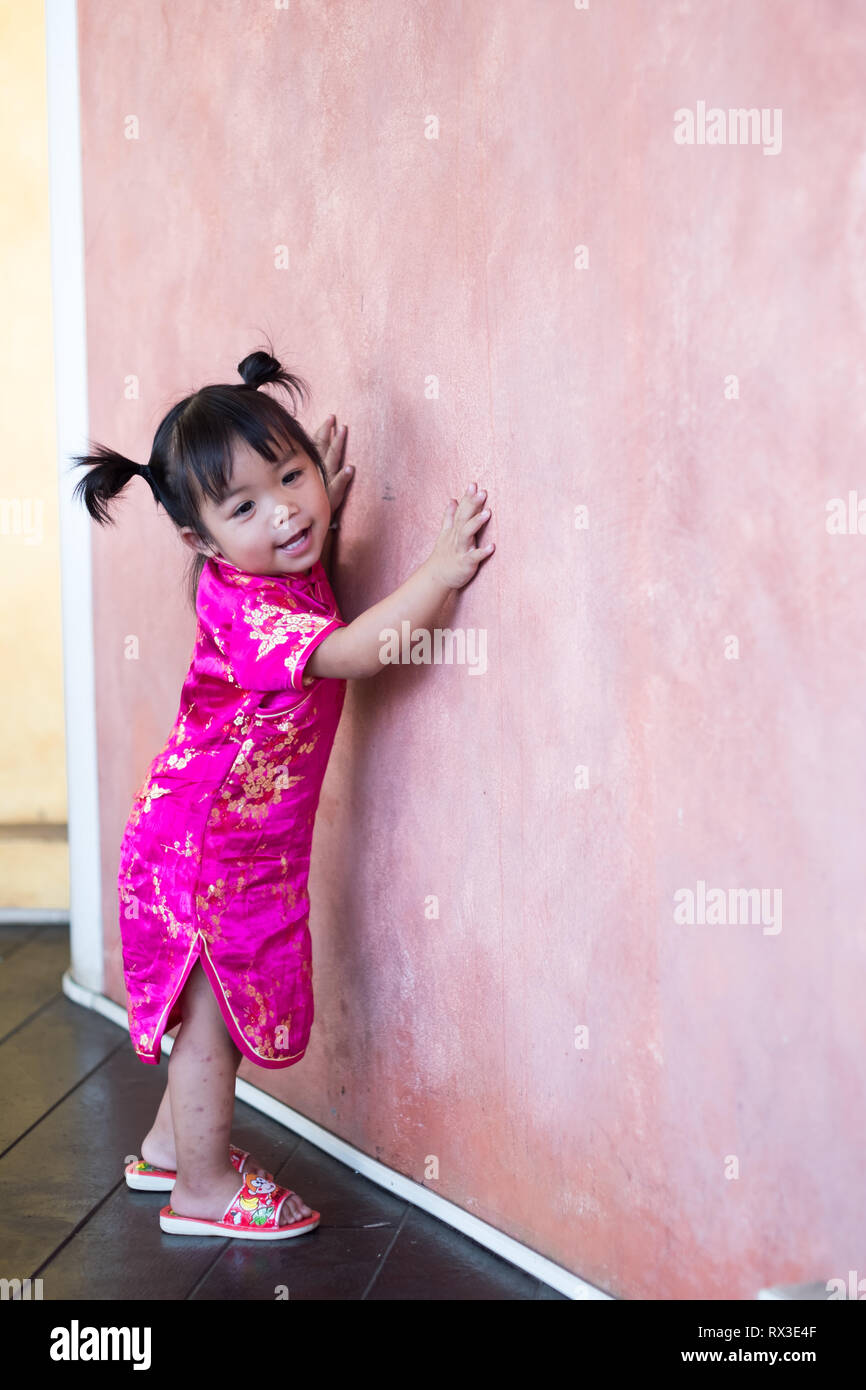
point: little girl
(215, 855)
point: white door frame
(70, 385)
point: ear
(194, 541)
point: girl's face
(267, 506)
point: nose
(281, 517)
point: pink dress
(216, 852)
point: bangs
(201, 438)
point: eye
(293, 473)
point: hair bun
(258, 368)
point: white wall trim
(571, 1285)
(34, 917)
(70, 385)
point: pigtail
(109, 474)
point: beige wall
(33, 854)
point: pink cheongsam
(216, 852)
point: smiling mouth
(296, 542)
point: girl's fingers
(338, 483)
(338, 443)
(448, 518)
(476, 522)
(334, 454)
(321, 435)
(471, 501)
(330, 436)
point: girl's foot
(210, 1203)
(162, 1155)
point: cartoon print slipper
(252, 1214)
(144, 1177)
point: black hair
(191, 452)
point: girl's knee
(197, 1002)
(201, 1018)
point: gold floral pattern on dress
(272, 627)
(145, 797)
(216, 851)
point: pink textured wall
(609, 647)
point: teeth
(289, 545)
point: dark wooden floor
(76, 1100)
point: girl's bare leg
(158, 1146)
(201, 1084)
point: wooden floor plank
(12, 937)
(45, 1058)
(430, 1260)
(31, 976)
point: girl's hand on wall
(331, 444)
(455, 557)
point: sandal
(144, 1177)
(252, 1214)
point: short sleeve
(273, 633)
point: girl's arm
(353, 651)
